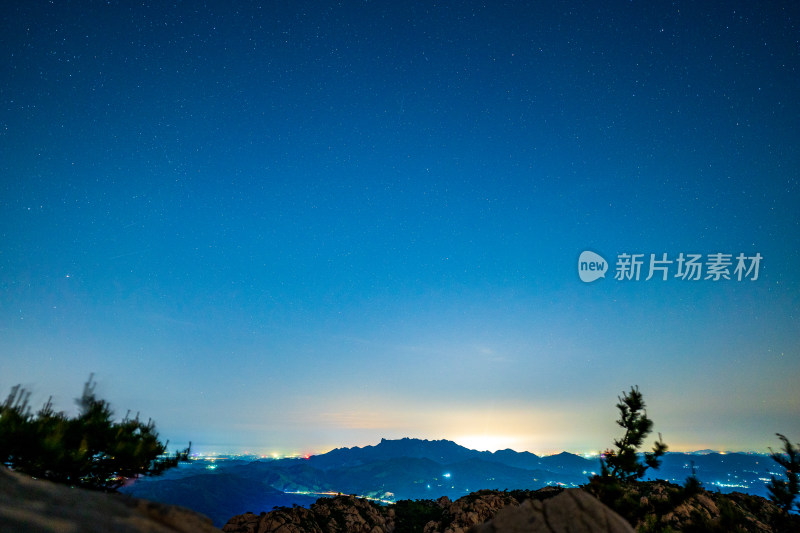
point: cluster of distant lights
(730, 485)
(213, 457)
(275, 455)
(332, 493)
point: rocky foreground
(29, 505)
(645, 506)
(546, 510)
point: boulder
(572, 511)
(29, 505)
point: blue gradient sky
(299, 226)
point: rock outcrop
(478, 507)
(351, 514)
(340, 513)
(28, 505)
(660, 505)
(572, 511)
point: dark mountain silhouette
(440, 451)
(526, 460)
(400, 476)
(569, 462)
(731, 471)
(218, 496)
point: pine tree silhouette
(623, 463)
(781, 492)
(90, 451)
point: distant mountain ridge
(440, 451)
(409, 469)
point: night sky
(294, 226)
